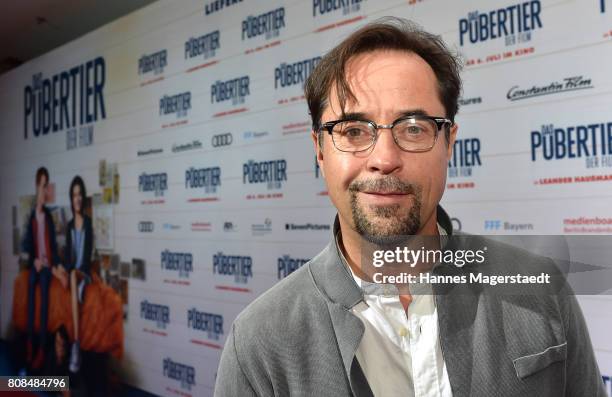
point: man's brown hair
(384, 34)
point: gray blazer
(300, 337)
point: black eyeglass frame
(439, 121)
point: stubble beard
(386, 224)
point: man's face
(385, 191)
(41, 190)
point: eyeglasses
(415, 133)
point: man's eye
(414, 130)
(354, 132)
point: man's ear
(452, 136)
(318, 147)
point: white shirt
(400, 353)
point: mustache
(383, 185)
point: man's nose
(385, 157)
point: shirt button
(403, 332)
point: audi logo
(456, 224)
(222, 140)
(145, 227)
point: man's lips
(383, 197)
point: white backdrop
(535, 155)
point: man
(43, 260)
(383, 104)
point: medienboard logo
(183, 373)
(268, 24)
(159, 314)
(69, 99)
(575, 83)
(307, 227)
(515, 23)
(322, 7)
(220, 140)
(146, 227)
(218, 5)
(155, 62)
(210, 323)
(287, 265)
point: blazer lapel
(342, 293)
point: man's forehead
(375, 77)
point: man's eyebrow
(354, 116)
(413, 112)
(364, 116)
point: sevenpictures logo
(514, 23)
(307, 227)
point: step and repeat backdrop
(188, 124)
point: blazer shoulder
(287, 305)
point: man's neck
(39, 208)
